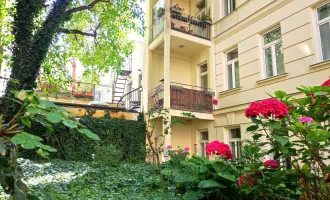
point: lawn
(76, 180)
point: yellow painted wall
(195, 62)
(180, 70)
(244, 29)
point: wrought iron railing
(132, 100)
(156, 28)
(183, 97)
(190, 25)
(81, 89)
(191, 98)
(156, 97)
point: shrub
(107, 156)
(127, 135)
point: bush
(107, 156)
(127, 135)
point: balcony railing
(183, 97)
(80, 89)
(190, 25)
(156, 28)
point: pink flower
(306, 119)
(326, 83)
(215, 101)
(271, 164)
(267, 108)
(247, 180)
(186, 149)
(219, 148)
(169, 147)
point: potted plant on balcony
(160, 12)
(190, 32)
(182, 28)
(205, 19)
(176, 9)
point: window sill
(320, 64)
(231, 91)
(273, 78)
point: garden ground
(63, 180)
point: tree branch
(75, 31)
(87, 7)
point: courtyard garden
(105, 158)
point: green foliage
(60, 179)
(107, 156)
(127, 135)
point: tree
(47, 33)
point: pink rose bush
(271, 164)
(306, 119)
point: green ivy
(127, 135)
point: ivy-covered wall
(129, 136)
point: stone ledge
(273, 78)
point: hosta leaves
(210, 184)
(35, 110)
(89, 134)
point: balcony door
(203, 76)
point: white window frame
(205, 142)
(320, 23)
(235, 140)
(273, 50)
(228, 9)
(101, 94)
(201, 74)
(232, 63)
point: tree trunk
(30, 50)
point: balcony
(83, 90)
(183, 97)
(190, 25)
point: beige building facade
(251, 47)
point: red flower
(220, 148)
(215, 101)
(326, 83)
(271, 164)
(267, 108)
(247, 180)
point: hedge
(127, 135)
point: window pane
(279, 58)
(237, 83)
(325, 40)
(202, 150)
(204, 136)
(324, 11)
(235, 133)
(272, 36)
(204, 81)
(225, 7)
(230, 77)
(239, 149)
(269, 62)
(232, 55)
(203, 68)
(233, 147)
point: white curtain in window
(325, 40)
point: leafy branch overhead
(47, 36)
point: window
(323, 16)
(98, 95)
(235, 142)
(203, 76)
(228, 6)
(232, 70)
(203, 141)
(273, 53)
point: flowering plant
(177, 155)
(298, 132)
(219, 148)
(215, 101)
